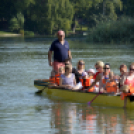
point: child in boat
(61, 70)
(77, 72)
(98, 76)
(87, 81)
(67, 80)
(51, 79)
(111, 86)
(129, 79)
(91, 73)
(55, 78)
(123, 72)
(125, 89)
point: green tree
(128, 6)
(22, 5)
(50, 15)
(62, 14)
(81, 8)
(9, 9)
(103, 10)
(109, 7)
(17, 23)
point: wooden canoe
(73, 96)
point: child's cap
(91, 71)
(84, 74)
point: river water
(22, 112)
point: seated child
(86, 81)
(55, 78)
(67, 80)
(127, 90)
(91, 73)
(61, 70)
(52, 79)
(111, 86)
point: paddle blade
(89, 103)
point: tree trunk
(74, 25)
(104, 7)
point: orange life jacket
(86, 83)
(52, 79)
(55, 79)
(111, 87)
(123, 95)
(131, 89)
(104, 81)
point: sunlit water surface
(23, 112)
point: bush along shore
(118, 31)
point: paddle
(93, 98)
(40, 91)
(97, 94)
(125, 102)
(41, 83)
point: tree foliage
(51, 15)
(17, 23)
(47, 16)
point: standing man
(60, 48)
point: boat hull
(101, 100)
(73, 96)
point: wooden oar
(89, 103)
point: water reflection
(72, 118)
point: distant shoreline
(10, 35)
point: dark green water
(22, 112)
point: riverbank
(10, 35)
(31, 34)
(36, 38)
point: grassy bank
(3, 32)
(9, 34)
(113, 31)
